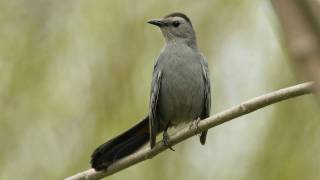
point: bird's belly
(181, 97)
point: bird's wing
(207, 96)
(153, 114)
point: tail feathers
(121, 146)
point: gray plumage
(180, 89)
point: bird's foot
(196, 123)
(166, 141)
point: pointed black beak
(157, 22)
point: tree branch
(299, 20)
(189, 131)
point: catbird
(180, 92)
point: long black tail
(121, 146)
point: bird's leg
(166, 137)
(197, 124)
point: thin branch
(189, 131)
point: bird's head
(176, 27)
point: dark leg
(166, 137)
(195, 123)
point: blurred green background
(75, 73)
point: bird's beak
(157, 22)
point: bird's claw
(166, 141)
(196, 122)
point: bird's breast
(181, 95)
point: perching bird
(180, 92)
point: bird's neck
(182, 42)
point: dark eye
(176, 23)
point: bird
(180, 93)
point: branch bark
(189, 131)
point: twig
(189, 131)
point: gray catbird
(180, 92)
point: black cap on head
(178, 14)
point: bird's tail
(121, 146)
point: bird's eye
(176, 23)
